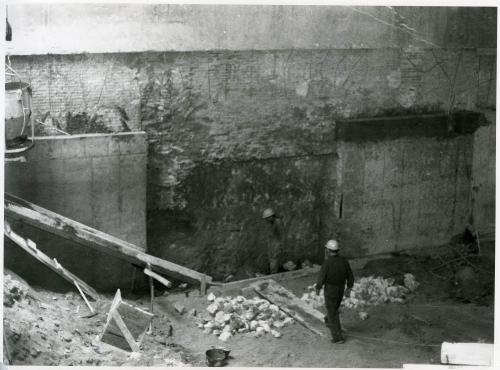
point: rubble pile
(368, 291)
(14, 291)
(50, 329)
(237, 315)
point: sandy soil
(46, 330)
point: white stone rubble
(368, 291)
(229, 316)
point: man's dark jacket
(335, 271)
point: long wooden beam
(281, 276)
(19, 209)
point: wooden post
(134, 272)
(152, 293)
(203, 286)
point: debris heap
(233, 315)
(14, 291)
(368, 291)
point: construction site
(178, 178)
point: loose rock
(363, 315)
(275, 333)
(179, 308)
(289, 266)
(242, 315)
(368, 291)
(225, 336)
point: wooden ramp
(21, 210)
(292, 305)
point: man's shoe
(338, 340)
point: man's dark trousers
(333, 298)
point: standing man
(276, 239)
(334, 275)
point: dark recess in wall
(426, 125)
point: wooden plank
(276, 277)
(19, 209)
(137, 320)
(126, 333)
(116, 301)
(158, 278)
(30, 247)
(479, 354)
(84, 298)
(289, 303)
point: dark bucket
(216, 357)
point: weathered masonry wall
(98, 180)
(262, 129)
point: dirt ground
(43, 328)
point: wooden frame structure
(126, 325)
(21, 210)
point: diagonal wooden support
(292, 305)
(30, 247)
(126, 333)
(158, 278)
(19, 209)
(126, 325)
(152, 296)
(85, 299)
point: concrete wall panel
(484, 180)
(79, 178)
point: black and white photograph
(249, 185)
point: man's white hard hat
(267, 213)
(332, 245)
